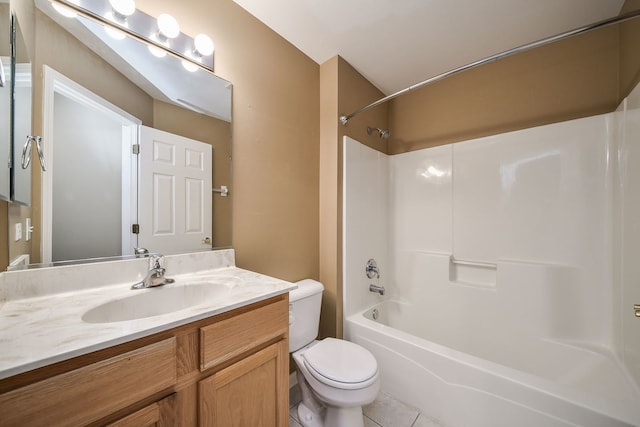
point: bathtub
(520, 382)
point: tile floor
(384, 412)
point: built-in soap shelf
(473, 273)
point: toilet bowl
(336, 377)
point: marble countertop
(39, 330)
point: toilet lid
(341, 361)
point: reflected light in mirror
(65, 11)
(114, 32)
(189, 66)
(156, 51)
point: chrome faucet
(138, 252)
(376, 288)
(371, 269)
(155, 275)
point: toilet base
(308, 418)
(334, 417)
(344, 417)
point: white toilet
(336, 377)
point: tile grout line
(373, 421)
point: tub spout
(376, 288)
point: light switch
(18, 231)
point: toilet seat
(341, 364)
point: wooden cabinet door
(158, 414)
(250, 393)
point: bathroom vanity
(219, 362)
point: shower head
(384, 133)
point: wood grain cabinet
(247, 393)
(229, 370)
(158, 414)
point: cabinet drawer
(231, 337)
(92, 392)
(158, 414)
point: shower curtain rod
(344, 119)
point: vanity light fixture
(122, 8)
(168, 27)
(163, 32)
(202, 45)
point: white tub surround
(42, 309)
(511, 259)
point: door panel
(175, 192)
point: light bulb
(123, 7)
(203, 45)
(168, 26)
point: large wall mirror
(135, 145)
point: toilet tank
(304, 313)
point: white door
(174, 192)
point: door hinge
(136, 148)
(135, 228)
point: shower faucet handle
(371, 269)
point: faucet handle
(371, 269)
(140, 251)
(156, 261)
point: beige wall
(577, 77)
(573, 78)
(275, 135)
(629, 47)
(180, 121)
(5, 47)
(343, 90)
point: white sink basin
(155, 301)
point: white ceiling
(397, 43)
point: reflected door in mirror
(175, 180)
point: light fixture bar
(141, 27)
